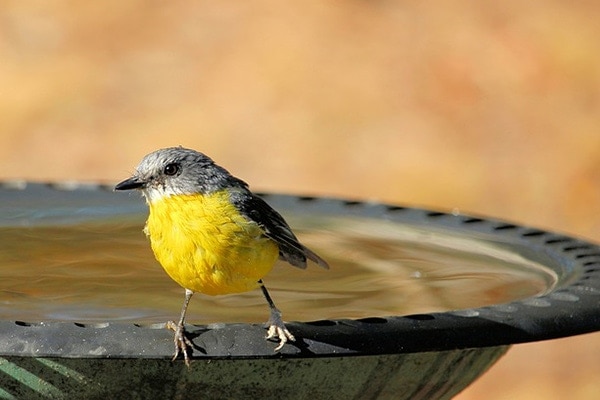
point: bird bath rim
(570, 308)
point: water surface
(103, 269)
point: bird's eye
(171, 169)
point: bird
(212, 234)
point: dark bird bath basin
(417, 303)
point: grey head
(176, 171)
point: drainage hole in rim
(307, 198)
(558, 240)
(93, 325)
(533, 233)
(395, 208)
(352, 203)
(373, 320)
(576, 247)
(436, 214)
(419, 317)
(471, 220)
(504, 227)
(322, 322)
(580, 256)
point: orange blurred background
(492, 108)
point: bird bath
(417, 303)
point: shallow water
(103, 269)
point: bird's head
(177, 171)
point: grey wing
(275, 227)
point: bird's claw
(280, 332)
(277, 330)
(182, 343)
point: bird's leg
(275, 324)
(182, 343)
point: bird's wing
(290, 249)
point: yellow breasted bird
(211, 234)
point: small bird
(211, 234)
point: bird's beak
(132, 183)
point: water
(103, 270)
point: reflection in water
(106, 271)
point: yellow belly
(206, 245)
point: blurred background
(491, 108)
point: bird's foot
(277, 330)
(182, 343)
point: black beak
(131, 183)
